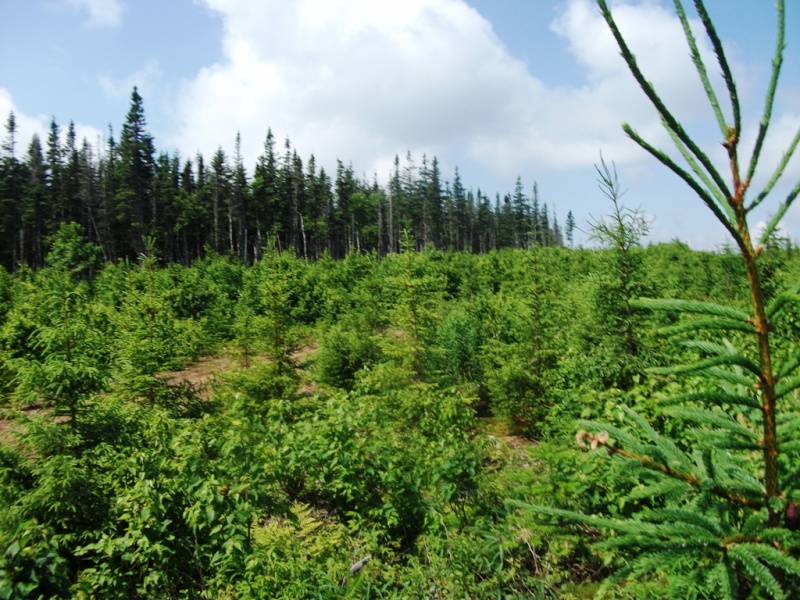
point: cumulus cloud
(362, 80)
(102, 14)
(353, 79)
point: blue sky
(499, 88)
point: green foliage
(343, 353)
(416, 295)
(151, 341)
(617, 333)
(326, 445)
(710, 513)
(71, 252)
(67, 356)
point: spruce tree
(715, 512)
(569, 228)
(135, 173)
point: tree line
(127, 191)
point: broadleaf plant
(716, 513)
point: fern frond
(692, 306)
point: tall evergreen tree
(570, 228)
(134, 197)
(34, 205)
(11, 190)
(521, 212)
(219, 187)
(264, 191)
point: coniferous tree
(12, 177)
(264, 190)
(219, 188)
(569, 228)
(238, 203)
(394, 204)
(521, 211)
(721, 513)
(34, 205)
(135, 174)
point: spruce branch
(790, 366)
(778, 173)
(704, 365)
(687, 156)
(773, 223)
(716, 43)
(777, 62)
(783, 300)
(701, 67)
(715, 398)
(730, 377)
(715, 418)
(742, 553)
(601, 441)
(706, 324)
(659, 105)
(704, 195)
(692, 306)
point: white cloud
(102, 14)
(352, 79)
(147, 80)
(362, 80)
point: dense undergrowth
(442, 397)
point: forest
(393, 398)
(126, 191)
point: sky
(501, 89)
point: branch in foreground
(602, 440)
